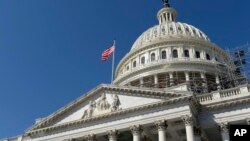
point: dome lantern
(166, 14)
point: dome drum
(170, 54)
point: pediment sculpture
(102, 103)
(102, 106)
(89, 112)
(115, 104)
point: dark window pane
(186, 53)
(153, 57)
(175, 53)
(208, 57)
(143, 60)
(197, 54)
(163, 55)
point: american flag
(106, 53)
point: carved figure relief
(102, 106)
(115, 104)
(89, 112)
(102, 103)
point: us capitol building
(173, 85)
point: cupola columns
(166, 14)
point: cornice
(225, 104)
(80, 122)
(133, 91)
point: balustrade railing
(224, 94)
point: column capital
(161, 125)
(223, 126)
(187, 119)
(136, 129)
(112, 134)
(90, 137)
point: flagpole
(113, 63)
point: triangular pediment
(103, 100)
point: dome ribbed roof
(169, 30)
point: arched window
(208, 57)
(175, 53)
(153, 57)
(143, 60)
(127, 68)
(197, 54)
(134, 64)
(164, 55)
(186, 53)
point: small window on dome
(197, 54)
(186, 53)
(175, 53)
(187, 29)
(179, 29)
(201, 34)
(163, 30)
(208, 57)
(163, 55)
(155, 33)
(127, 68)
(134, 64)
(152, 57)
(171, 29)
(194, 31)
(143, 60)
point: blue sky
(50, 49)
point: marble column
(136, 131)
(204, 81)
(155, 80)
(141, 82)
(90, 137)
(112, 135)
(187, 76)
(217, 79)
(224, 131)
(162, 127)
(171, 78)
(189, 127)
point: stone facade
(146, 102)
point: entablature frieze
(79, 123)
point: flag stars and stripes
(106, 53)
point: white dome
(169, 30)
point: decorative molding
(161, 125)
(223, 126)
(90, 137)
(112, 134)
(133, 91)
(116, 103)
(187, 119)
(108, 115)
(89, 112)
(102, 103)
(136, 129)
